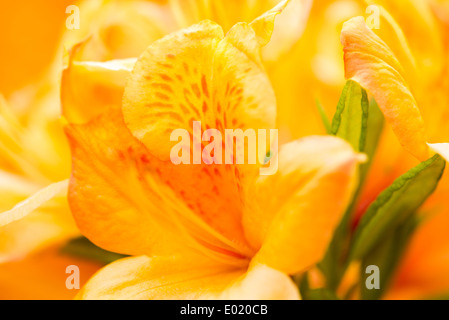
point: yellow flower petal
(199, 75)
(264, 25)
(369, 61)
(178, 278)
(196, 75)
(227, 13)
(297, 210)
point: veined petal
(370, 62)
(197, 74)
(295, 211)
(179, 278)
(169, 87)
(120, 200)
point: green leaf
(302, 281)
(396, 204)
(83, 248)
(361, 126)
(351, 118)
(375, 124)
(320, 294)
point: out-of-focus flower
(405, 67)
(30, 34)
(34, 153)
(42, 276)
(200, 231)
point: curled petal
(370, 62)
(90, 88)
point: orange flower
(200, 231)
